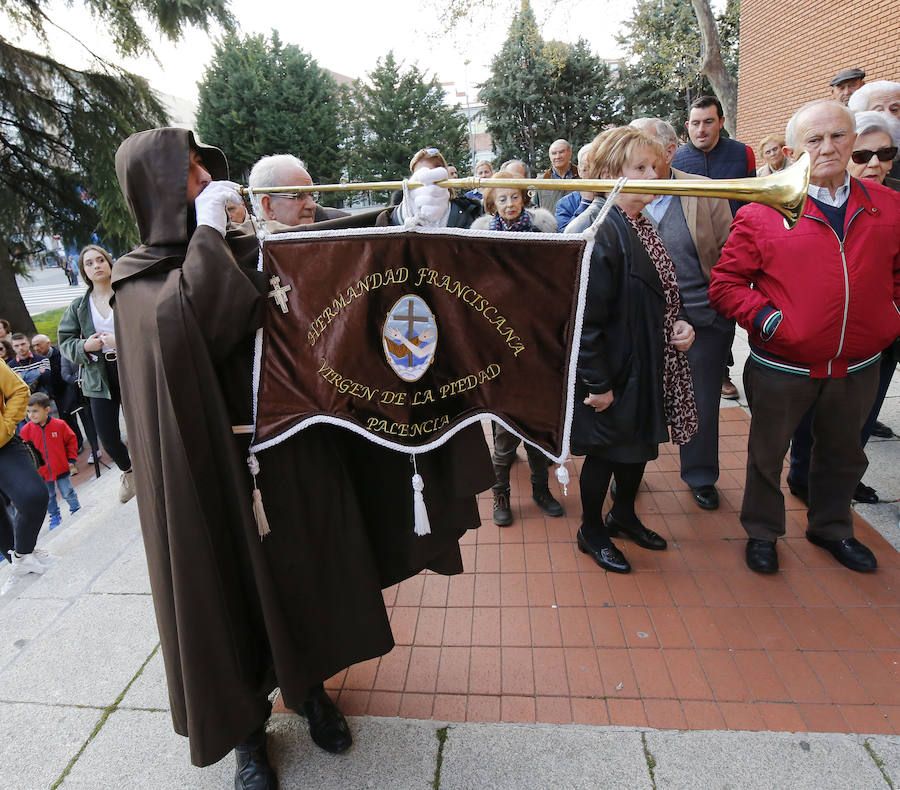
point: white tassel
(259, 512)
(562, 475)
(420, 512)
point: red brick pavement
(534, 631)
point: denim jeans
(64, 484)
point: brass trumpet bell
(784, 191)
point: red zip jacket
(837, 300)
(57, 444)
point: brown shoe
(729, 391)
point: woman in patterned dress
(634, 386)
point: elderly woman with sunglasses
(875, 150)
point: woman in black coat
(633, 379)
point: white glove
(210, 204)
(430, 202)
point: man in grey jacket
(694, 231)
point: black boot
(253, 771)
(545, 501)
(502, 510)
(327, 725)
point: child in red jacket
(57, 443)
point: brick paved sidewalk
(534, 631)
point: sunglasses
(865, 155)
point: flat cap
(848, 74)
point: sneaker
(502, 511)
(126, 488)
(74, 510)
(545, 501)
(26, 563)
(91, 457)
(11, 581)
(55, 520)
(44, 556)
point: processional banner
(408, 336)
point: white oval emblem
(409, 336)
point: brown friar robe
(305, 602)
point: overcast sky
(348, 37)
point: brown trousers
(778, 402)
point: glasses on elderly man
(313, 196)
(865, 155)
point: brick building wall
(790, 52)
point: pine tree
(395, 114)
(541, 91)
(516, 91)
(60, 127)
(259, 98)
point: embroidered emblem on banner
(409, 337)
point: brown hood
(152, 168)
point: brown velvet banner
(408, 336)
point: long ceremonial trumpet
(784, 191)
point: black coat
(621, 344)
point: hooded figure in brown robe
(238, 615)
(306, 602)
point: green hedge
(47, 323)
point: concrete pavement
(83, 704)
(83, 701)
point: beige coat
(709, 223)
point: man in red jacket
(57, 443)
(818, 303)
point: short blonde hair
(611, 150)
(488, 195)
(770, 138)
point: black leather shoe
(882, 431)
(545, 501)
(849, 552)
(799, 491)
(253, 771)
(706, 497)
(327, 725)
(645, 538)
(761, 556)
(502, 510)
(866, 495)
(607, 557)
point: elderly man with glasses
(285, 170)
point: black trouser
(106, 418)
(24, 487)
(700, 456)
(594, 483)
(839, 408)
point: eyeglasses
(865, 155)
(428, 151)
(314, 196)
